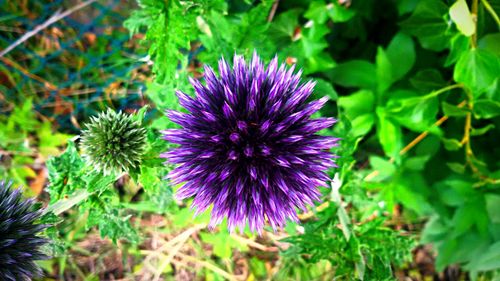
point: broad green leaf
(412, 199)
(428, 80)
(429, 24)
(486, 109)
(384, 71)
(477, 69)
(325, 88)
(416, 163)
(412, 110)
(461, 16)
(362, 124)
(357, 103)
(453, 110)
(456, 167)
(488, 260)
(464, 218)
(459, 45)
(355, 73)
(490, 42)
(385, 168)
(401, 54)
(451, 144)
(492, 207)
(446, 252)
(389, 134)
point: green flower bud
(113, 142)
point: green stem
(491, 11)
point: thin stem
(474, 17)
(491, 11)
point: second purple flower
(248, 145)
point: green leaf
(116, 226)
(477, 69)
(416, 163)
(325, 88)
(339, 13)
(385, 168)
(481, 131)
(489, 260)
(401, 54)
(283, 26)
(384, 71)
(492, 205)
(223, 243)
(459, 45)
(486, 109)
(453, 110)
(429, 24)
(355, 73)
(490, 42)
(413, 111)
(451, 144)
(65, 204)
(317, 12)
(446, 252)
(464, 218)
(456, 167)
(357, 103)
(65, 172)
(389, 134)
(362, 124)
(428, 80)
(49, 141)
(461, 16)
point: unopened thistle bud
(113, 142)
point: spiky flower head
(19, 241)
(248, 145)
(114, 142)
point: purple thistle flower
(248, 145)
